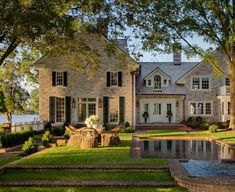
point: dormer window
(157, 82)
(165, 82)
(149, 82)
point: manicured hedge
(15, 138)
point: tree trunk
(232, 98)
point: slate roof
(173, 71)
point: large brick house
(122, 89)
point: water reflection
(186, 149)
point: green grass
(84, 175)
(117, 155)
(6, 158)
(86, 189)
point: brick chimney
(177, 57)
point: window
(202, 83)
(113, 110)
(59, 78)
(208, 108)
(229, 107)
(157, 108)
(157, 82)
(149, 82)
(193, 108)
(205, 83)
(60, 109)
(86, 107)
(114, 78)
(165, 82)
(200, 108)
(196, 83)
(227, 82)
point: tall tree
(162, 24)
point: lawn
(117, 155)
(6, 158)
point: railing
(34, 125)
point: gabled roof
(155, 70)
(173, 71)
(134, 67)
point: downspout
(133, 100)
(184, 107)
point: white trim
(56, 109)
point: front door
(157, 110)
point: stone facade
(80, 86)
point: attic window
(149, 82)
(165, 82)
(157, 82)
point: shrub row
(15, 138)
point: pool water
(185, 149)
(209, 168)
(201, 157)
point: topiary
(213, 128)
(127, 124)
(29, 147)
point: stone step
(86, 168)
(76, 183)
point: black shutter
(53, 78)
(52, 109)
(119, 78)
(108, 79)
(105, 110)
(65, 78)
(68, 109)
(122, 109)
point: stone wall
(79, 85)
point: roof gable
(155, 71)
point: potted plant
(169, 115)
(92, 121)
(145, 116)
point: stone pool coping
(195, 184)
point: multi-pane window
(208, 108)
(149, 82)
(113, 78)
(193, 109)
(200, 108)
(201, 83)
(205, 83)
(168, 107)
(196, 83)
(157, 108)
(60, 109)
(86, 107)
(157, 82)
(146, 107)
(229, 107)
(59, 78)
(113, 110)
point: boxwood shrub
(15, 138)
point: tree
(34, 100)
(34, 23)
(165, 24)
(15, 97)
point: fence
(34, 125)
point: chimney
(177, 57)
(122, 44)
